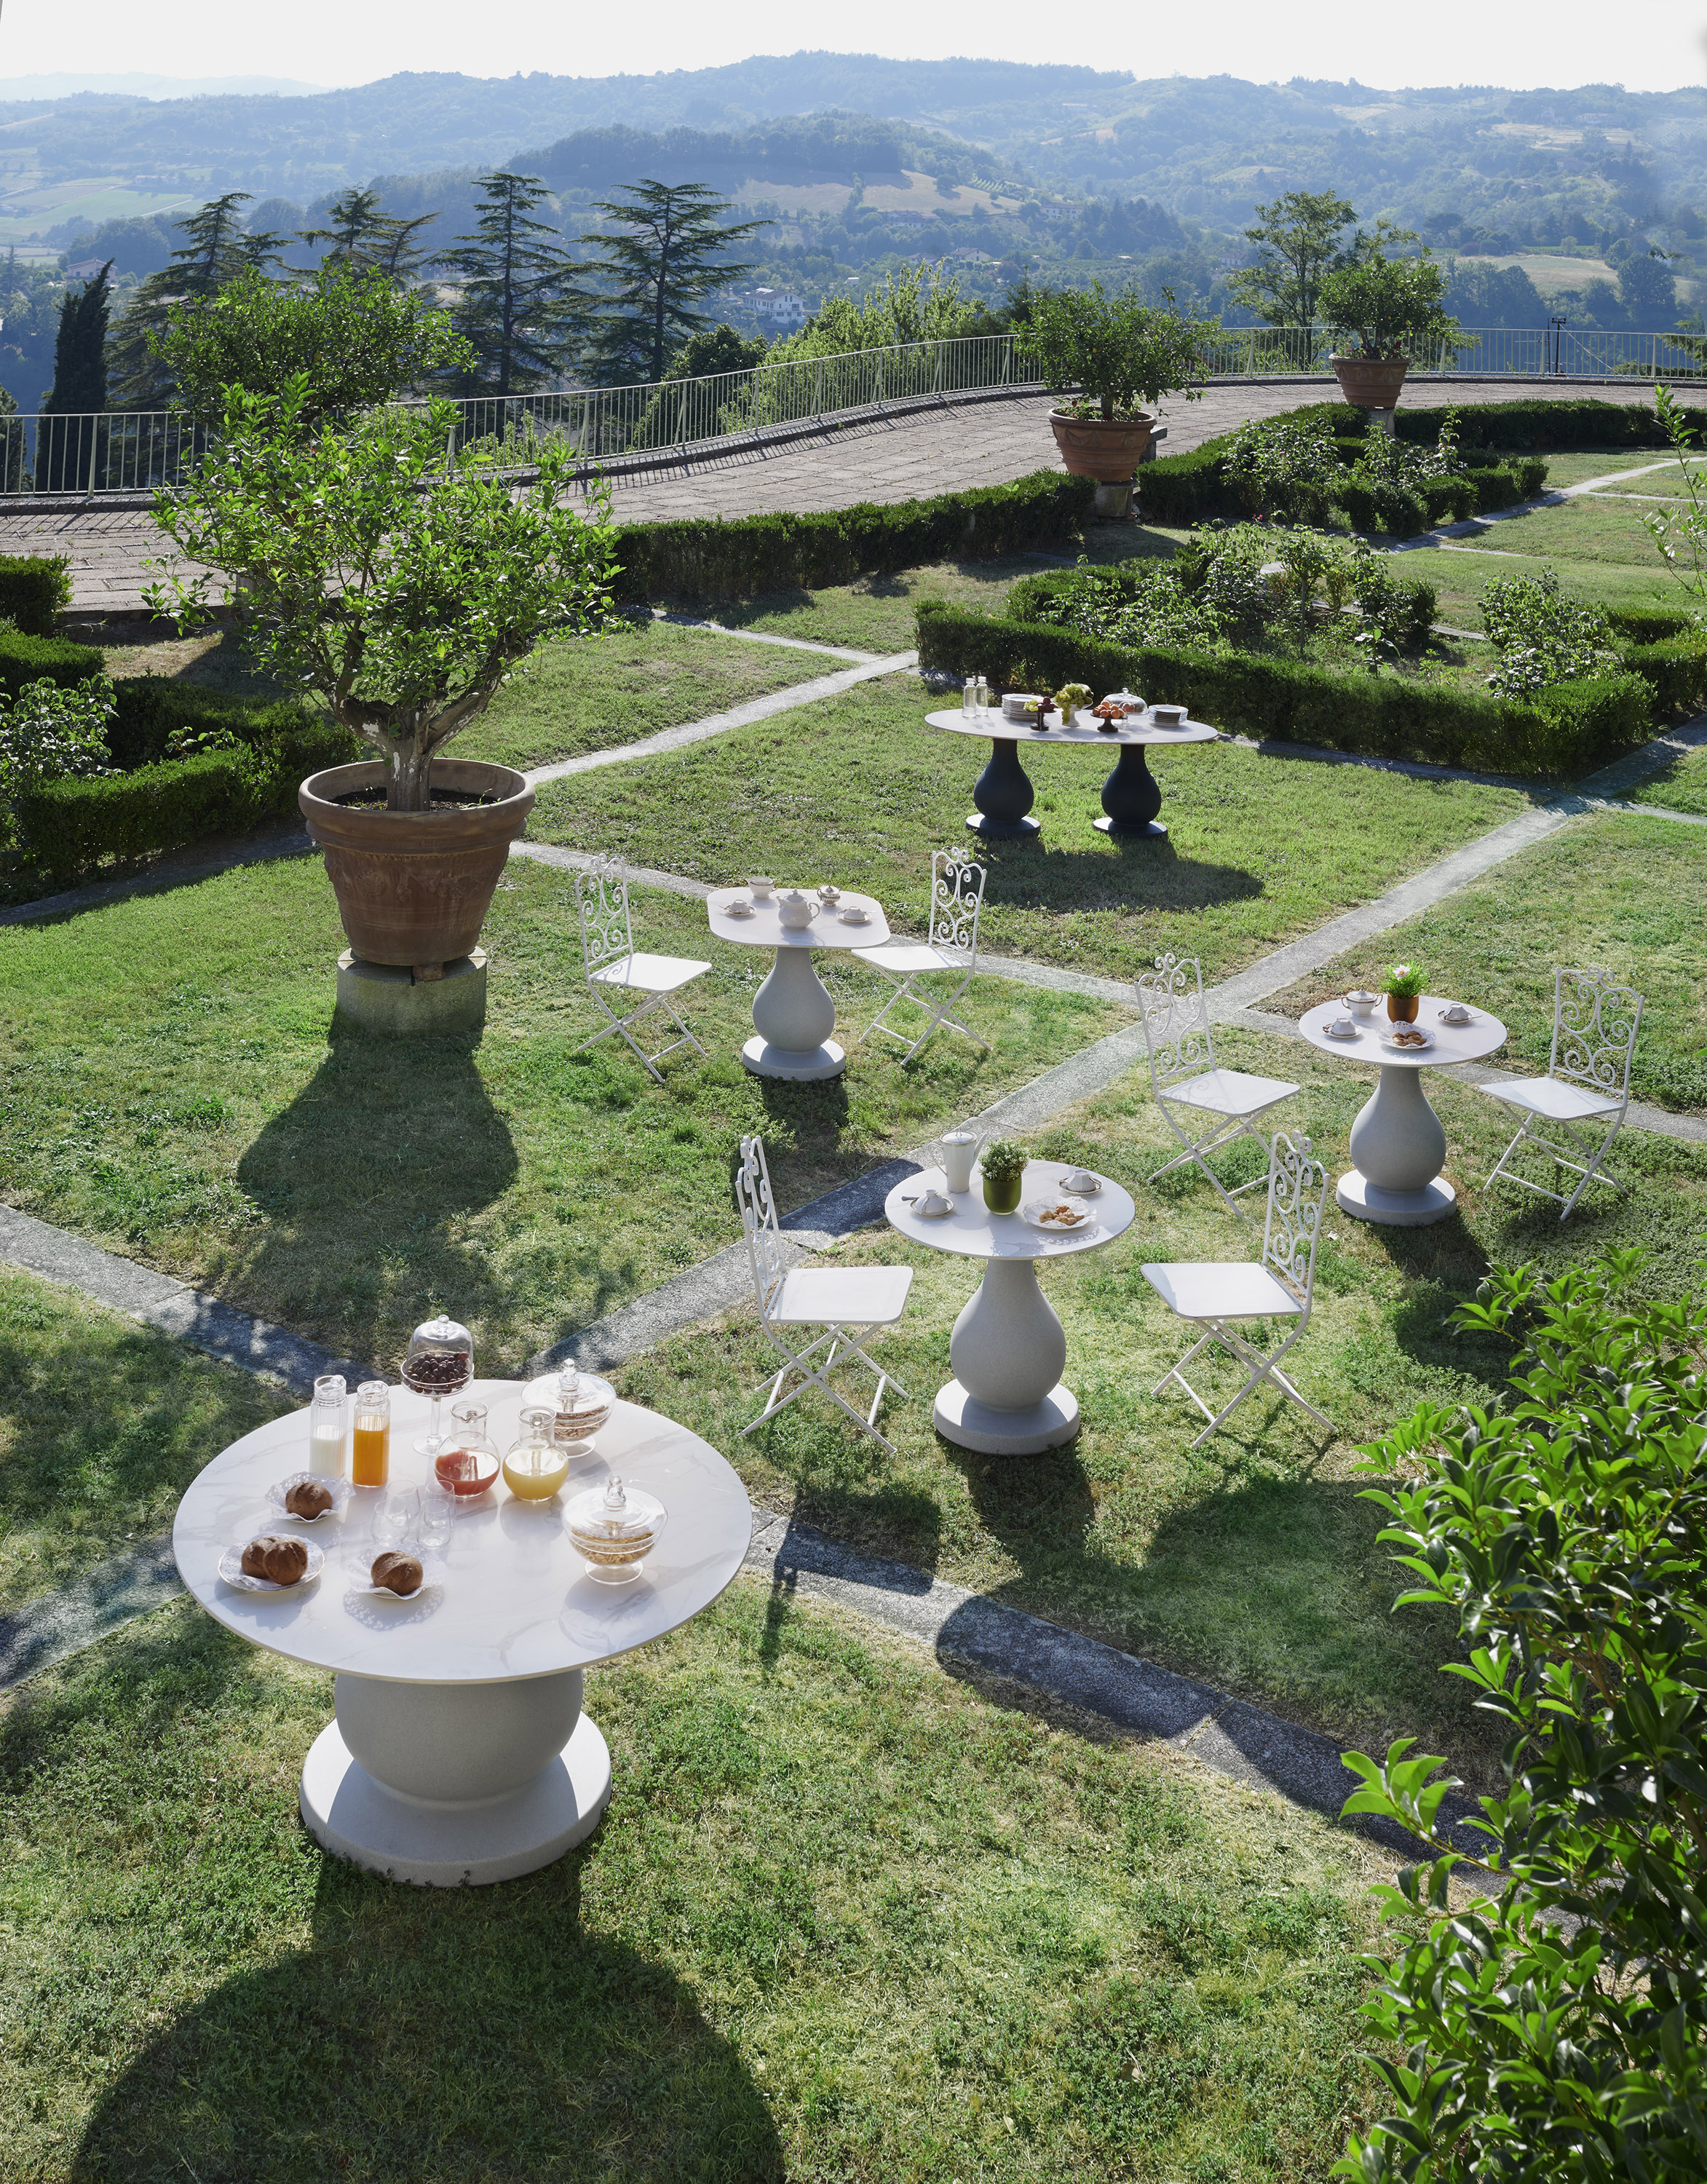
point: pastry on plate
(280, 1561)
(396, 1572)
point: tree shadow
(427, 2033)
(367, 1175)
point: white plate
(362, 1561)
(340, 1490)
(1032, 1210)
(1389, 1040)
(231, 1569)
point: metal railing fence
(133, 451)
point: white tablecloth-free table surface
(460, 1751)
(793, 1013)
(1008, 1347)
(1398, 1145)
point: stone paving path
(884, 459)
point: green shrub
(71, 828)
(25, 659)
(711, 558)
(1552, 2027)
(1674, 669)
(1652, 624)
(1565, 732)
(34, 591)
(152, 707)
(1526, 426)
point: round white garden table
(460, 1753)
(1008, 1347)
(793, 1013)
(1131, 794)
(1398, 1145)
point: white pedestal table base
(1398, 1145)
(388, 1784)
(989, 1429)
(793, 1016)
(764, 1059)
(1007, 1349)
(1355, 1194)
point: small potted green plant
(1103, 358)
(1003, 1165)
(1403, 986)
(1389, 307)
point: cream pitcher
(959, 1150)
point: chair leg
(940, 1019)
(1261, 1368)
(1223, 1133)
(811, 1376)
(1587, 1165)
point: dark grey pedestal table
(1131, 795)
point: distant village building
(780, 306)
(85, 269)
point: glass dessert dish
(580, 1402)
(613, 1529)
(536, 1467)
(438, 1362)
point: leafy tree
(519, 305)
(719, 348)
(220, 249)
(403, 586)
(918, 303)
(669, 259)
(1390, 306)
(1648, 289)
(1298, 240)
(1102, 356)
(71, 455)
(364, 237)
(350, 335)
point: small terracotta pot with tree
(404, 579)
(1403, 986)
(1103, 358)
(1389, 307)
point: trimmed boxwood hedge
(715, 558)
(34, 591)
(25, 659)
(71, 827)
(1675, 669)
(152, 708)
(1652, 624)
(1568, 731)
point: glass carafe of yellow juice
(370, 1444)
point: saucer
(1080, 1183)
(1419, 1042)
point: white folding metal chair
(1587, 1081)
(613, 967)
(1183, 1074)
(957, 897)
(850, 1303)
(1279, 1286)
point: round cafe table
(1398, 1145)
(459, 1753)
(1007, 1348)
(1131, 794)
(793, 1013)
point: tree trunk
(408, 770)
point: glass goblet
(438, 1362)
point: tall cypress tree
(68, 455)
(518, 307)
(669, 259)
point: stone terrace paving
(906, 456)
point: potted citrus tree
(1103, 357)
(403, 579)
(1387, 308)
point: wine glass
(439, 1362)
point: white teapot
(795, 910)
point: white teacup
(1454, 1013)
(933, 1205)
(1361, 1003)
(761, 889)
(1342, 1028)
(1080, 1182)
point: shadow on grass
(1141, 875)
(471, 2034)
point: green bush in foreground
(1555, 2028)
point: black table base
(1004, 795)
(1132, 797)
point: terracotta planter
(1107, 453)
(1372, 382)
(414, 887)
(1003, 1196)
(1403, 1011)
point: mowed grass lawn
(176, 1088)
(846, 1919)
(859, 789)
(1625, 896)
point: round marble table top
(766, 928)
(973, 1232)
(993, 723)
(1475, 1041)
(515, 1600)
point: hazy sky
(1518, 42)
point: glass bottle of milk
(326, 1427)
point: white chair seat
(906, 959)
(1555, 1098)
(1221, 1289)
(1229, 1092)
(841, 1296)
(650, 974)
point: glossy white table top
(516, 1600)
(766, 928)
(991, 723)
(973, 1232)
(1452, 1043)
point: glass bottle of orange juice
(370, 1444)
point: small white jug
(960, 1148)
